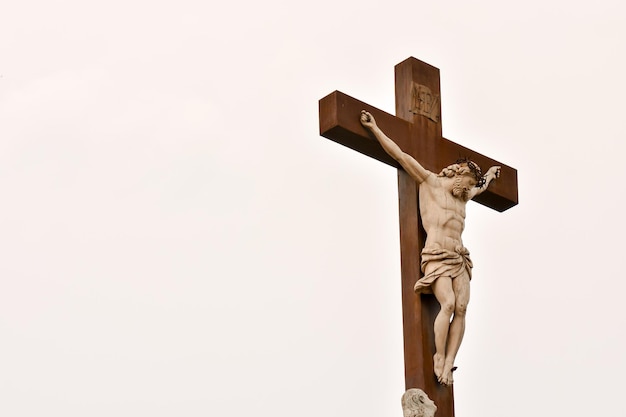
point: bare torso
(443, 214)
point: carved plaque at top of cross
(417, 131)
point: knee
(448, 307)
(460, 309)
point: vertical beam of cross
(417, 101)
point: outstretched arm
(410, 165)
(492, 174)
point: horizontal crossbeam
(340, 122)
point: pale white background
(176, 239)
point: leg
(443, 291)
(461, 288)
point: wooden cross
(417, 130)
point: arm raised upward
(492, 174)
(410, 165)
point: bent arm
(492, 174)
(410, 165)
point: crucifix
(416, 132)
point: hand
(493, 172)
(367, 120)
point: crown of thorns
(474, 169)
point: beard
(458, 191)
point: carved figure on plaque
(445, 262)
(415, 403)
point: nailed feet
(443, 369)
(446, 375)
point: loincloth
(448, 263)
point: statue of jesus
(445, 262)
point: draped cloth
(447, 263)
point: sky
(176, 239)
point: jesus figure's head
(466, 175)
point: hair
(415, 403)
(464, 166)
